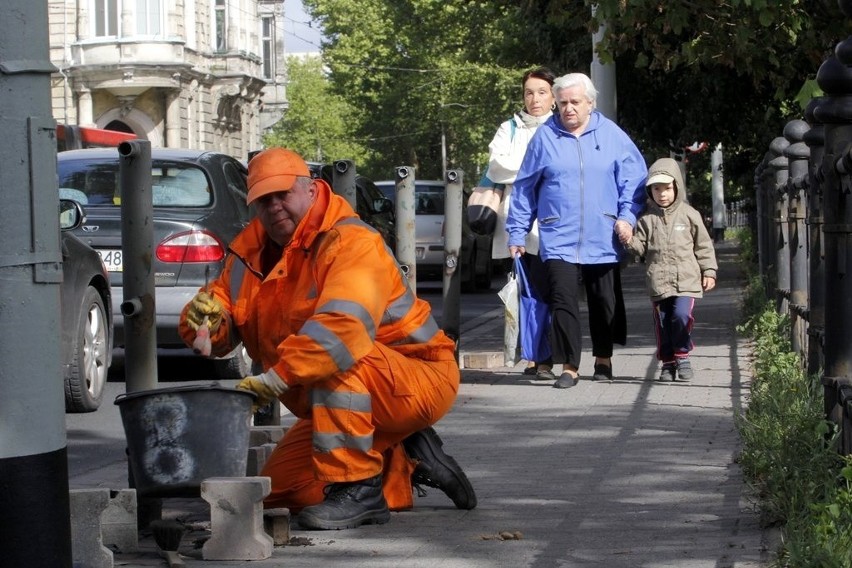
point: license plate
(111, 259)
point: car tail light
(194, 246)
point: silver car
(476, 263)
(199, 207)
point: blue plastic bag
(534, 318)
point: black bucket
(178, 437)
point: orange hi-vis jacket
(360, 353)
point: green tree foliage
(719, 71)
(320, 124)
(417, 69)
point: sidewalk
(631, 473)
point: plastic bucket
(178, 437)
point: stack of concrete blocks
(236, 518)
(119, 525)
(87, 546)
(262, 441)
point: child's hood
(665, 170)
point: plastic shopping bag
(509, 294)
(534, 318)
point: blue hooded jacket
(577, 188)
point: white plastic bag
(509, 294)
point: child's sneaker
(684, 370)
(668, 373)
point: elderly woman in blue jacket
(583, 180)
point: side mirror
(71, 214)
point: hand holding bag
(534, 318)
(509, 295)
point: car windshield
(428, 197)
(97, 183)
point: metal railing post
(797, 154)
(778, 184)
(835, 80)
(815, 139)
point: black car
(199, 202)
(86, 316)
(370, 203)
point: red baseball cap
(274, 170)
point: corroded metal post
(778, 165)
(835, 79)
(815, 139)
(451, 316)
(405, 223)
(343, 181)
(797, 154)
(760, 215)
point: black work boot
(437, 469)
(348, 505)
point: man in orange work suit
(321, 304)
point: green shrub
(789, 450)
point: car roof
(156, 153)
(416, 182)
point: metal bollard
(451, 318)
(406, 252)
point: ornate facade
(205, 74)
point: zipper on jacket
(582, 196)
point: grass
(789, 455)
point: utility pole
(603, 76)
(34, 502)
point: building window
(106, 18)
(220, 25)
(267, 42)
(148, 17)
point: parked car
(477, 268)
(199, 202)
(86, 316)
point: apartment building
(203, 74)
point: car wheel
(235, 365)
(87, 374)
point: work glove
(267, 386)
(201, 306)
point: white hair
(572, 80)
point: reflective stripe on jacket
(335, 292)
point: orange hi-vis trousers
(351, 428)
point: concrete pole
(451, 314)
(35, 523)
(717, 189)
(603, 76)
(406, 254)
